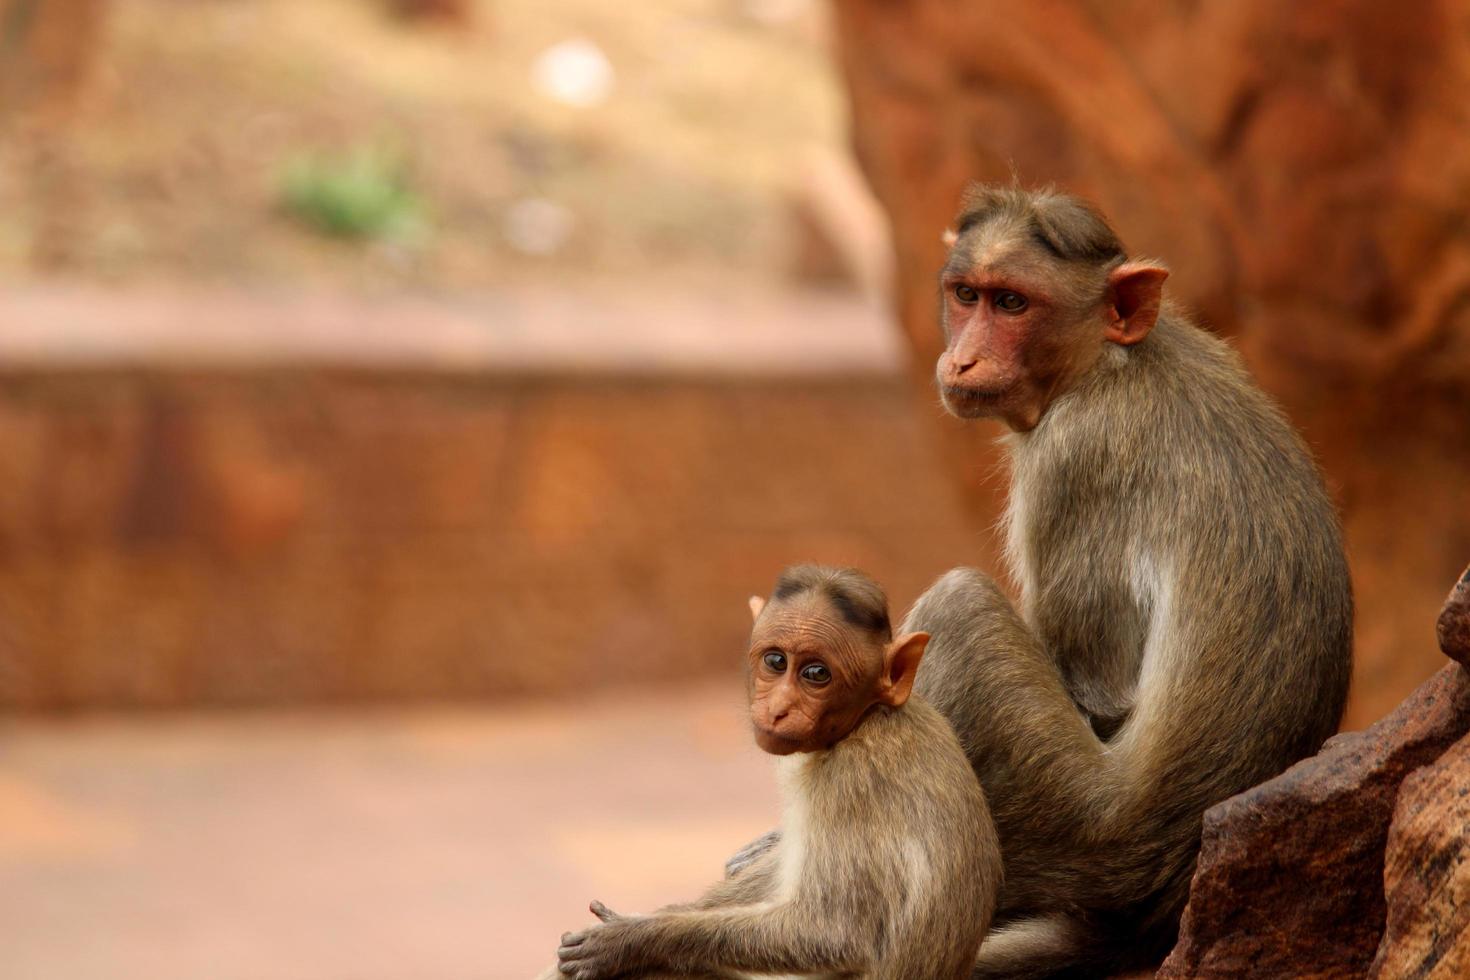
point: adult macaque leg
(1050, 781)
(1072, 830)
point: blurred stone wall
(1305, 171)
(209, 501)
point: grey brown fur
(1184, 625)
(1183, 587)
(860, 601)
(1068, 228)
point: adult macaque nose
(966, 353)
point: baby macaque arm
(783, 938)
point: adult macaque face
(814, 676)
(1022, 325)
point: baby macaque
(887, 865)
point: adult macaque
(1185, 620)
(888, 865)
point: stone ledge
(585, 329)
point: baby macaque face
(813, 675)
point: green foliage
(364, 194)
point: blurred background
(401, 397)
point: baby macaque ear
(900, 667)
(949, 237)
(756, 605)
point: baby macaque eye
(966, 294)
(1010, 302)
(775, 660)
(816, 673)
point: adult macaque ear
(756, 605)
(1135, 289)
(949, 237)
(900, 667)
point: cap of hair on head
(858, 599)
(1067, 227)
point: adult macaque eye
(816, 673)
(775, 661)
(1010, 302)
(966, 294)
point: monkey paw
(598, 953)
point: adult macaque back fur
(1184, 628)
(888, 866)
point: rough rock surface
(1426, 873)
(1453, 628)
(1304, 169)
(1291, 873)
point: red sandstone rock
(1302, 168)
(1453, 628)
(1426, 874)
(1290, 879)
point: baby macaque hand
(599, 952)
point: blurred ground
(172, 164)
(361, 844)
